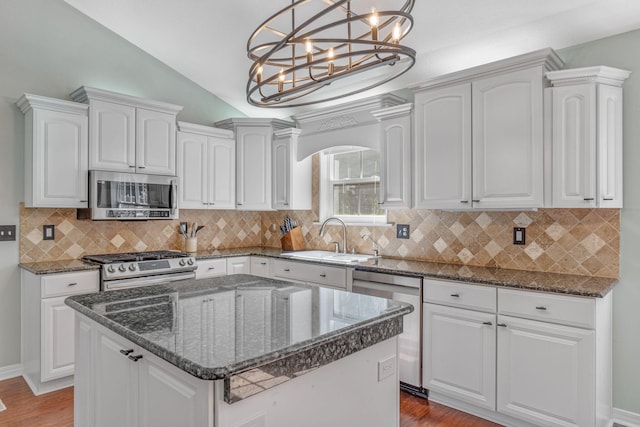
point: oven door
(114, 195)
(112, 285)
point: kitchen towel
(2, 407)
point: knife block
(293, 240)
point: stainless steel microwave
(131, 196)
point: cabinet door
(395, 168)
(155, 142)
(281, 174)
(574, 146)
(192, 170)
(112, 141)
(169, 397)
(239, 265)
(459, 354)
(253, 182)
(253, 322)
(609, 146)
(221, 180)
(60, 165)
(57, 339)
(443, 148)
(114, 403)
(546, 372)
(508, 140)
(261, 266)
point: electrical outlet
(48, 232)
(519, 236)
(7, 233)
(386, 368)
(402, 231)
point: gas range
(132, 269)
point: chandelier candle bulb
(373, 20)
(281, 81)
(330, 58)
(397, 32)
(309, 47)
(259, 75)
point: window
(351, 185)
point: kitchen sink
(329, 256)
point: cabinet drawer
(211, 268)
(456, 294)
(561, 309)
(261, 266)
(312, 273)
(55, 285)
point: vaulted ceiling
(205, 40)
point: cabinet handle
(588, 199)
(211, 268)
(541, 307)
(85, 201)
(286, 269)
(126, 352)
(72, 284)
(604, 198)
(285, 204)
(132, 166)
(455, 295)
(475, 201)
(142, 167)
(239, 204)
(464, 201)
(323, 275)
(263, 263)
(502, 325)
(487, 323)
(136, 357)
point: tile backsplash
(575, 241)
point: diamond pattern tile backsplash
(75, 238)
(575, 241)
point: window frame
(326, 189)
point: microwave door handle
(174, 194)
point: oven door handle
(111, 285)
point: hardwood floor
(56, 409)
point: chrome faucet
(344, 231)
(375, 244)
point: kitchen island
(236, 351)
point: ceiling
(205, 40)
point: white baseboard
(626, 418)
(10, 371)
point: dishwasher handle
(365, 287)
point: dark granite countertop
(219, 327)
(587, 286)
(63, 266)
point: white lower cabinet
(310, 273)
(129, 386)
(47, 327)
(239, 265)
(462, 354)
(527, 358)
(261, 266)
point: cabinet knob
(502, 325)
(455, 295)
(541, 307)
(126, 352)
(487, 323)
(136, 357)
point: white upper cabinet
(395, 155)
(479, 136)
(291, 178)
(586, 137)
(206, 167)
(56, 145)
(254, 149)
(129, 134)
(442, 178)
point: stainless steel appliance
(116, 195)
(132, 269)
(405, 289)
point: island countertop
(216, 328)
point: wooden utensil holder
(293, 240)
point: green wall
(622, 51)
(48, 48)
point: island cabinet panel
(123, 385)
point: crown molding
(205, 130)
(234, 122)
(87, 94)
(598, 74)
(28, 101)
(391, 112)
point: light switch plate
(386, 367)
(519, 236)
(49, 232)
(7, 233)
(402, 231)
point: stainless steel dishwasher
(405, 289)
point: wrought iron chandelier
(314, 43)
